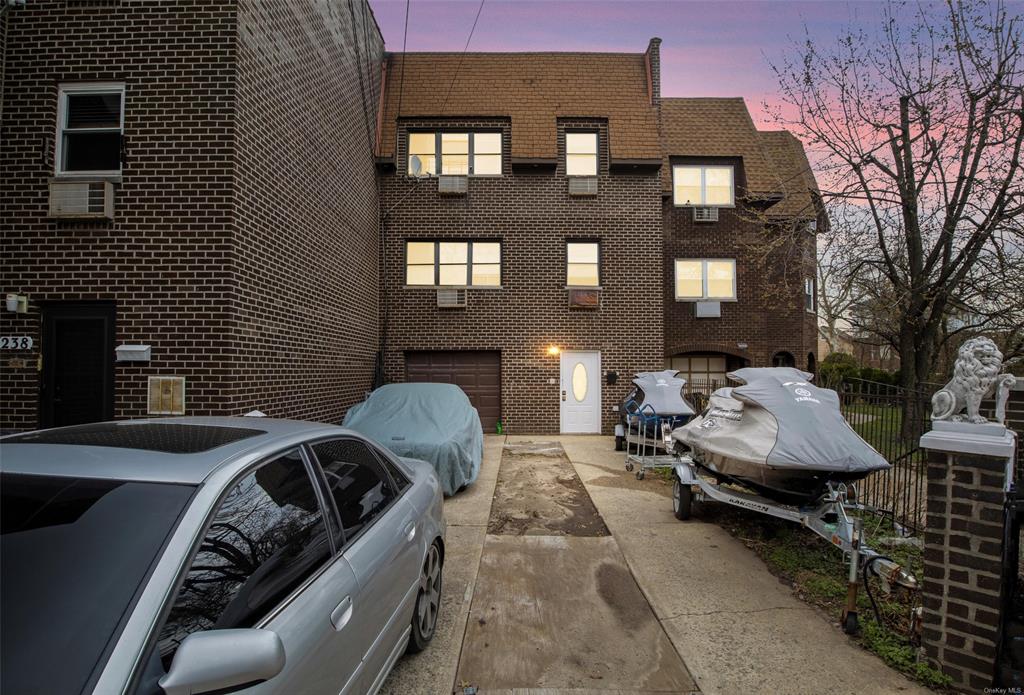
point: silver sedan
(199, 555)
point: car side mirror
(223, 660)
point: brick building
(169, 181)
(283, 215)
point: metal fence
(892, 420)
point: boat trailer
(829, 517)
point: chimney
(653, 59)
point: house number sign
(15, 342)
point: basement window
(90, 127)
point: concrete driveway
(658, 606)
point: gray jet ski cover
(779, 419)
(663, 391)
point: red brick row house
(220, 208)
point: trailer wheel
(682, 499)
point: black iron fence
(892, 420)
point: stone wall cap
(989, 439)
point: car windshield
(73, 554)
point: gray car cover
(663, 391)
(777, 418)
(432, 422)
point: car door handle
(410, 531)
(342, 614)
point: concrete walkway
(735, 626)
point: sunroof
(169, 438)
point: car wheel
(428, 602)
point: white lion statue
(975, 377)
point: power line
(466, 48)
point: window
(360, 486)
(90, 124)
(809, 294)
(460, 154)
(703, 279)
(267, 537)
(703, 186)
(580, 154)
(582, 264)
(453, 263)
(701, 371)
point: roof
(534, 90)
(716, 127)
(787, 156)
(71, 451)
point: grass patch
(818, 574)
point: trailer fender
(685, 473)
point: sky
(718, 48)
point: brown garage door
(478, 373)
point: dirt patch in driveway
(539, 494)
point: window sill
(693, 300)
(87, 176)
(584, 287)
(453, 287)
(726, 207)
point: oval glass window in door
(579, 382)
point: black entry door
(78, 364)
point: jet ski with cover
(779, 435)
(660, 392)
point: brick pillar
(963, 547)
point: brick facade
(533, 215)
(221, 208)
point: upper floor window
(583, 267)
(90, 124)
(453, 263)
(580, 154)
(703, 186)
(809, 294)
(705, 279)
(460, 154)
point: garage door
(478, 373)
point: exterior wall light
(554, 350)
(16, 302)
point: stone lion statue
(975, 377)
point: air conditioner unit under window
(705, 214)
(82, 199)
(585, 298)
(452, 185)
(583, 185)
(707, 310)
(451, 299)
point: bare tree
(920, 127)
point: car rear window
(73, 554)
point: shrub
(836, 368)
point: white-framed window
(583, 264)
(430, 263)
(90, 128)
(696, 185)
(459, 154)
(705, 279)
(581, 154)
(809, 294)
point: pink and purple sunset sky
(718, 48)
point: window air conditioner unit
(451, 299)
(707, 310)
(452, 185)
(585, 298)
(82, 199)
(583, 186)
(705, 214)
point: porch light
(554, 350)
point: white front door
(581, 392)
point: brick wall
(768, 315)
(305, 323)
(162, 259)
(962, 565)
(533, 215)
(229, 197)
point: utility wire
(462, 57)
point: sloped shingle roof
(787, 156)
(715, 127)
(533, 89)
